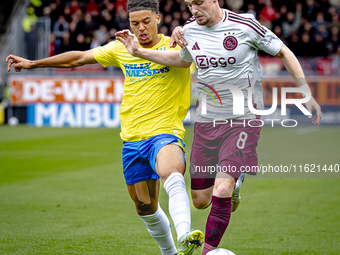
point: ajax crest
(230, 43)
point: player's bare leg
(145, 196)
(201, 198)
(170, 166)
(219, 215)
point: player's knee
(223, 191)
(201, 202)
(165, 175)
(145, 209)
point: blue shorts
(139, 157)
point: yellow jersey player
(155, 102)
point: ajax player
(155, 102)
(224, 47)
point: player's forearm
(64, 60)
(167, 58)
(292, 65)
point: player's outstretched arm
(167, 58)
(64, 60)
(294, 68)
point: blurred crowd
(308, 27)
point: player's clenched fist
(18, 63)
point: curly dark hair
(141, 5)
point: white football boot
(235, 197)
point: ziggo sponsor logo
(204, 62)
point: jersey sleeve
(263, 38)
(185, 55)
(106, 55)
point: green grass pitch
(62, 191)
